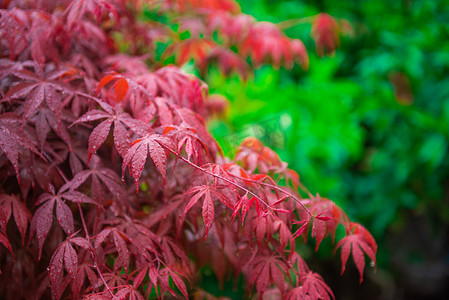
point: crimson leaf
(11, 137)
(37, 88)
(314, 286)
(21, 214)
(64, 256)
(119, 239)
(43, 217)
(358, 239)
(266, 270)
(101, 178)
(208, 204)
(121, 121)
(137, 154)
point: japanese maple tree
(111, 185)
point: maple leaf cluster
(111, 185)
(253, 43)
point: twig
(215, 175)
(279, 189)
(92, 252)
(293, 22)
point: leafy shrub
(118, 154)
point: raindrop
(371, 264)
(48, 269)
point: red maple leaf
(120, 85)
(267, 270)
(265, 42)
(357, 240)
(16, 37)
(12, 137)
(326, 33)
(43, 120)
(78, 8)
(159, 278)
(136, 156)
(115, 279)
(326, 219)
(37, 88)
(253, 154)
(244, 204)
(43, 217)
(164, 111)
(124, 124)
(101, 178)
(65, 257)
(208, 204)
(185, 136)
(84, 270)
(20, 212)
(192, 48)
(234, 28)
(128, 292)
(313, 286)
(119, 238)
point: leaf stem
(293, 22)
(215, 175)
(92, 252)
(279, 189)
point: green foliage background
(340, 127)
